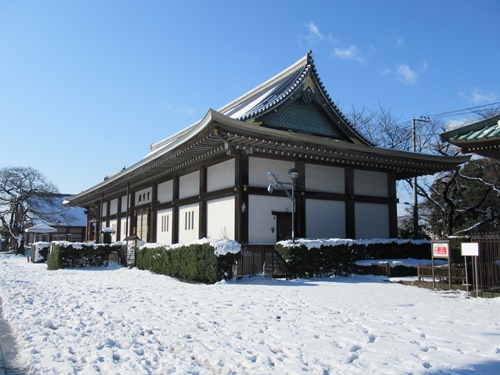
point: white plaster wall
(164, 236)
(188, 235)
(260, 218)
(372, 220)
(220, 218)
(165, 191)
(124, 204)
(221, 175)
(370, 183)
(113, 224)
(324, 179)
(189, 185)
(113, 208)
(258, 168)
(123, 228)
(325, 219)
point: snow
(409, 262)
(126, 321)
(221, 247)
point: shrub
(78, 255)
(338, 257)
(194, 262)
(40, 252)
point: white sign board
(470, 249)
(440, 249)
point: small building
(69, 224)
(481, 138)
(212, 178)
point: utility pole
(415, 200)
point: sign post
(441, 249)
(471, 249)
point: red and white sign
(440, 249)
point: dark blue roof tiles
(270, 93)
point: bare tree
(443, 198)
(26, 195)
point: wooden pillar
(202, 220)
(393, 209)
(350, 216)
(241, 205)
(118, 217)
(300, 201)
(153, 213)
(175, 210)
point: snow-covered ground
(126, 321)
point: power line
(464, 110)
(456, 112)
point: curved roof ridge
(269, 93)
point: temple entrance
(142, 225)
(283, 226)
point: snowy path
(122, 321)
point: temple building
(481, 138)
(212, 178)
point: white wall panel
(258, 168)
(113, 224)
(220, 218)
(113, 207)
(370, 183)
(221, 175)
(325, 179)
(372, 220)
(165, 192)
(325, 219)
(189, 223)
(261, 219)
(189, 185)
(164, 226)
(124, 203)
(123, 228)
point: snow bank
(126, 321)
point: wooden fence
(257, 260)
(489, 260)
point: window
(189, 220)
(165, 223)
(142, 225)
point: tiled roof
(479, 131)
(481, 137)
(275, 91)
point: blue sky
(87, 86)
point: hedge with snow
(206, 261)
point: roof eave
(126, 174)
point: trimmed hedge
(195, 262)
(40, 252)
(297, 260)
(78, 255)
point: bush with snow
(206, 261)
(65, 254)
(40, 252)
(325, 257)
